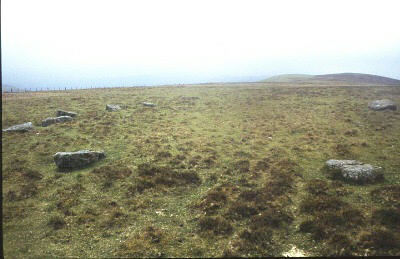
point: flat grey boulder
(65, 113)
(148, 104)
(52, 120)
(20, 127)
(379, 105)
(354, 171)
(112, 107)
(78, 159)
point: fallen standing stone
(78, 159)
(380, 105)
(65, 113)
(20, 127)
(112, 107)
(148, 104)
(354, 171)
(52, 120)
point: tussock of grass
(28, 190)
(88, 217)
(146, 244)
(32, 175)
(314, 204)
(56, 222)
(153, 176)
(214, 200)
(240, 210)
(215, 225)
(379, 239)
(114, 217)
(111, 173)
(263, 165)
(252, 242)
(272, 217)
(389, 195)
(14, 212)
(317, 187)
(389, 217)
(243, 166)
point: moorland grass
(234, 172)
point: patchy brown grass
(215, 225)
(235, 172)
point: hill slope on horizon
(354, 78)
(288, 78)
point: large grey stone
(384, 104)
(112, 107)
(52, 120)
(20, 127)
(354, 171)
(148, 104)
(71, 160)
(65, 113)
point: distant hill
(353, 78)
(288, 78)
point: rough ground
(236, 172)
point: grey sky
(68, 43)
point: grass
(237, 171)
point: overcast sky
(68, 43)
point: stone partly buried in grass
(65, 113)
(148, 104)
(385, 104)
(112, 107)
(20, 127)
(51, 120)
(72, 160)
(353, 171)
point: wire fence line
(46, 89)
(10, 95)
(11, 89)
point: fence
(10, 95)
(15, 90)
(46, 89)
